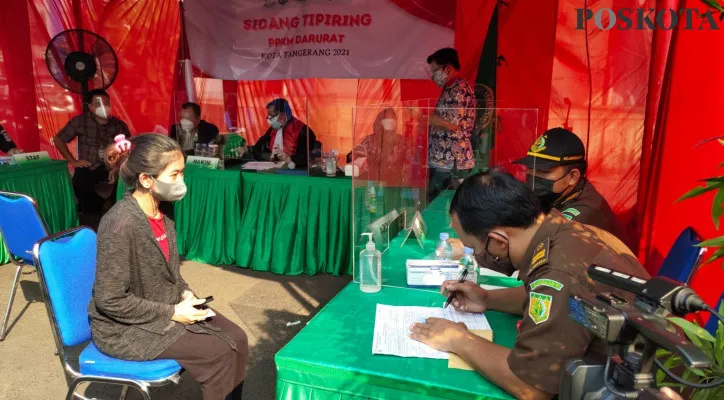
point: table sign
(24, 158)
(418, 227)
(207, 162)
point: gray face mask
(169, 191)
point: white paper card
(392, 329)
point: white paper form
(392, 329)
(262, 165)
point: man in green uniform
(501, 219)
(556, 172)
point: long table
(48, 182)
(264, 221)
(331, 358)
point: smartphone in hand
(203, 305)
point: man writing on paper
(500, 218)
(556, 173)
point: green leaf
(713, 4)
(717, 179)
(716, 207)
(716, 242)
(693, 330)
(698, 372)
(698, 191)
(722, 164)
(717, 254)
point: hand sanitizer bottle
(370, 267)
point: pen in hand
(452, 295)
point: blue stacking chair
(21, 227)
(66, 264)
(713, 322)
(683, 258)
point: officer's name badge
(539, 307)
(540, 255)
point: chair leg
(124, 392)
(10, 303)
(144, 390)
(72, 387)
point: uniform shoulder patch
(539, 307)
(570, 213)
(540, 255)
(546, 282)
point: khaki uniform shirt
(587, 206)
(556, 267)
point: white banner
(285, 39)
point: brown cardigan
(135, 288)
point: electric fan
(81, 61)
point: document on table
(392, 329)
(262, 165)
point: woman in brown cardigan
(142, 309)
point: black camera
(631, 332)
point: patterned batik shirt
(452, 149)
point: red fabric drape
(602, 77)
(690, 104)
(144, 36)
(18, 115)
(519, 85)
(471, 26)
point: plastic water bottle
(468, 262)
(370, 267)
(443, 251)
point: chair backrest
(713, 322)
(20, 224)
(66, 264)
(683, 258)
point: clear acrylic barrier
(392, 143)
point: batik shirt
(452, 149)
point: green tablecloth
(286, 224)
(331, 358)
(48, 182)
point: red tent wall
(691, 103)
(141, 93)
(17, 94)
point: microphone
(668, 294)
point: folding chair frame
(73, 377)
(19, 264)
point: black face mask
(504, 266)
(487, 260)
(543, 189)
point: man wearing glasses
(288, 139)
(501, 219)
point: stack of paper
(262, 165)
(392, 329)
